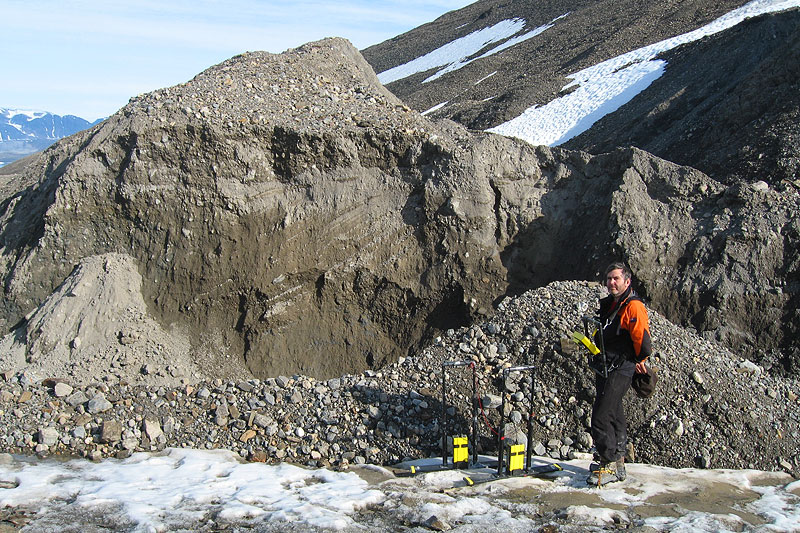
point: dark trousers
(609, 427)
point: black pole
(602, 346)
(444, 417)
(474, 437)
(603, 349)
(528, 450)
(501, 431)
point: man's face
(616, 283)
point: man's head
(618, 279)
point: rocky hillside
(726, 105)
(580, 33)
(286, 215)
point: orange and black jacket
(626, 328)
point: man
(626, 338)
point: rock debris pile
(277, 190)
(742, 130)
(712, 409)
(268, 191)
(258, 260)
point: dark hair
(626, 272)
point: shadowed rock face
(287, 211)
(500, 86)
(726, 105)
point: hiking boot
(602, 473)
(621, 474)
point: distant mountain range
(23, 132)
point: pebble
(48, 436)
(98, 404)
(62, 389)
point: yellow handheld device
(580, 338)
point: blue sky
(88, 58)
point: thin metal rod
(457, 363)
(501, 431)
(587, 332)
(528, 450)
(603, 350)
(444, 416)
(474, 437)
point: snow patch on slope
(603, 88)
(457, 54)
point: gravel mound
(712, 409)
(115, 337)
(248, 244)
